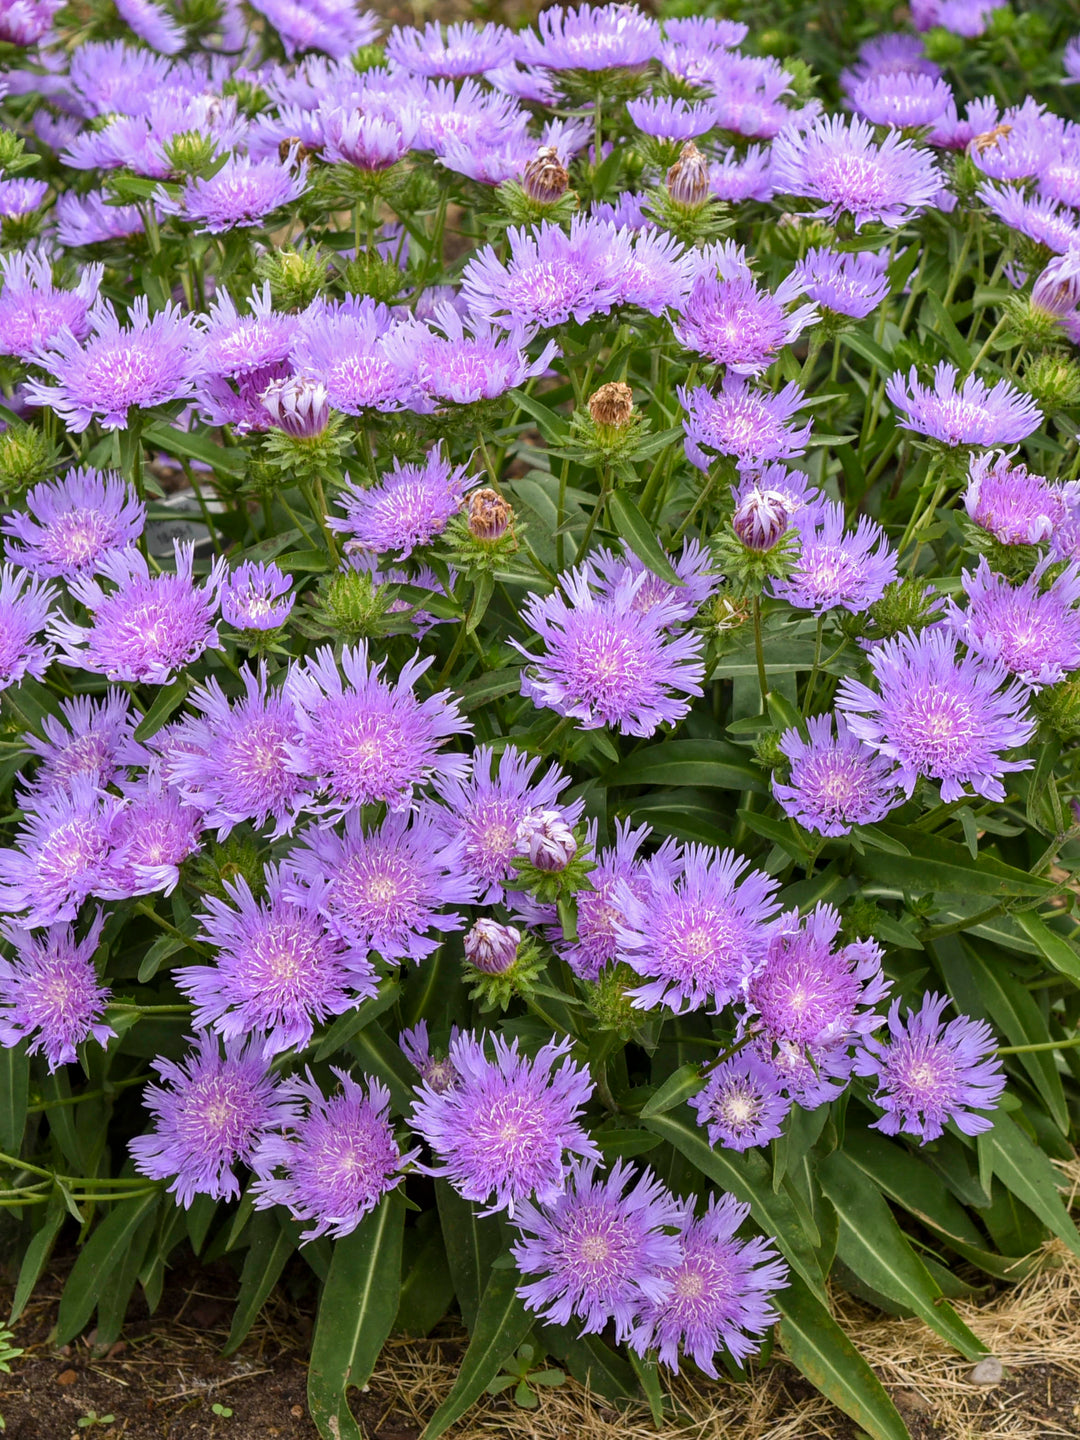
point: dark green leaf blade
(640, 536)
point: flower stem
(759, 651)
(1046, 1045)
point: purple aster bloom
(233, 761)
(71, 524)
(88, 219)
(467, 113)
(598, 1248)
(24, 22)
(25, 602)
(750, 425)
(1032, 629)
(953, 132)
(974, 414)
(606, 662)
(464, 360)
(600, 911)
(342, 348)
(450, 52)
(1044, 221)
(387, 888)
(234, 343)
(546, 840)
(626, 212)
(147, 627)
(532, 84)
(21, 197)
(658, 273)
(51, 993)
(737, 175)
(150, 837)
(693, 565)
(367, 142)
(836, 782)
(737, 324)
(601, 37)
(154, 24)
(838, 567)
(671, 119)
(336, 27)
(1070, 61)
(209, 1114)
(437, 1072)
(408, 506)
(846, 284)
(297, 405)
(941, 715)
(929, 1073)
(705, 31)
(773, 496)
(244, 192)
(338, 1158)
(88, 738)
(484, 811)
(502, 1131)
(142, 365)
(33, 310)
(492, 947)
(719, 1293)
(697, 936)
(748, 111)
(901, 100)
(839, 162)
(58, 855)
(743, 1103)
(365, 739)
(242, 401)
(255, 596)
(891, 54)
(1010, 503)
(962, 17)
(551, 276)
(279, 971)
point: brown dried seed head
(544, 178)
(612, 405)
(489, 515)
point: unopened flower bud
(546, 840)
(492, 947)
(761, 518)
(544, 178)
(1053, 380)
(612, 406)
(489, 515)
(1057, 288)
(299, 407)
(688, 178)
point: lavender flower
(59, 854)
(693, 566)
(342, 349)
(367, 142)
(974, 414)
(297, 405)
(850, 569)
(671, 119)
(929, 1073)
(743, 1103)
(25, 608)
(150, 837)
(88, 738)
(89, 219)
(901, 99)
(148, 626)
(366, 739)
(436, 1071)
(255, 596)
(600, 37)
(71, 524)
(450, 52)
(21, 197)
(33, 310)
(337, 27)
(464, 362)
(491, 947)
(153, 24)
(409, 506)
(546, 840)
(1040, 219)
(750, 425)
(836, 782)
(605, 662)
(890, 54)
(719, 1295)
(733, 322)
(24, 22)
(1010, 503)
(51, 993)
(209, 1114)
(244, 192)
(737, 175)
(1032, 629)
(599, 1248)
(234, 343)
(601, 914)
(846, 284)
(502, 1130)
(698, 937)
(940, 715)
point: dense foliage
(540, 665)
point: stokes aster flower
(255, 596)
(52, 997)
(749, 425)
(693, 566)
(59, 854)
(1013, 505)
(847, 284)
(243, 192)
(150, 837)
(89, 738)
(838, 567)
(733, 322)
(591, 37)
(409, 505)
(902, 100)
(836, 782)
(464, 361)
(25, 609)
(33, 310)
(1032, 629)
(71, 524)
(451, 51)
(974, 414)
(743, 1103)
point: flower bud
(1053, 380)
(688, 178)
(761, 518)
(1057, 289)
(545, 179)
(298, 406)
(489, 515)
(492, 947)
(612, 406)
(26, 457)
(546, 840)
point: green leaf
(190, 445)
(356, 1313)
(37, 1253)
(102, 1255)
(116, 1294)
(14, 1093)
(345, 1027)
(483, 590)
(591, 1362)
(648, 1374)
(270, 1247)
(876, 1249)
(492, 686)
(710, 763)
(427, 1291)
(640, 536)
(502, 1323)
(472, 1242)
(686, 1081)
(311, 561)
(618, 1143)
(378, 1055)
(1006, 1152)
(821, 1351)
(168, 700)
(552, 427)
(946, 866)
(908, 1181)
(155, 957)
(958, 347)
(1058, 952)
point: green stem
(981, 356)
(811, 684)
(759, 651)
(318, 514)
(817, 340)
(938, 932)
(706, 491)
(1031, 1049)
(128, 1008)
(601, 501)
(143, 908)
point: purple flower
(1032, 629)
(850, 569)
(761, 518)
(59, 854)
(483, 813)
(737, 175)
(367, 142)
(697, 936)
(658, 272)
(777, 491)
(750, 425)
(491, 947)
(1041, 220)
(671, 119)
(436, 1071)
(150, 837)
(976, 414)
(719, 1293)
(342, 348)
(153, 24)
(1010, 503)
(928, 1073)
(234, 343)
(450, 52)
(23, 22)
(902, 99)
(606, 662)
(71, 524)
(386, 888)
(33, 310)
(255, 596)
(338, 1158)
(465, 361)
(940, 715)
(51, 993)
(88, 738)
(598, 1248)
(141, 365)
(546, 840)
(839, 163)
(693, 565)
(743, 1103)
(25, 602)
(835, 783)
(279, 971)
(846, 284)
(88, 219)
(601, 37)
(408, 506)
(297, 405)
(21, 197)
(890, 54)
(733, 322)
(337, 27)
(365, 739)
(503, 1129)
(244, 192)
(601, 914)
(148, 626)
(209, 1114)
(962, 17)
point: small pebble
(987, 1372)
(67, 1377)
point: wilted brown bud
(688, 178)
(292, 150)
(612, 405)
(489, 515)
(990, 139)
(544, 178)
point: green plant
(522, 1371)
